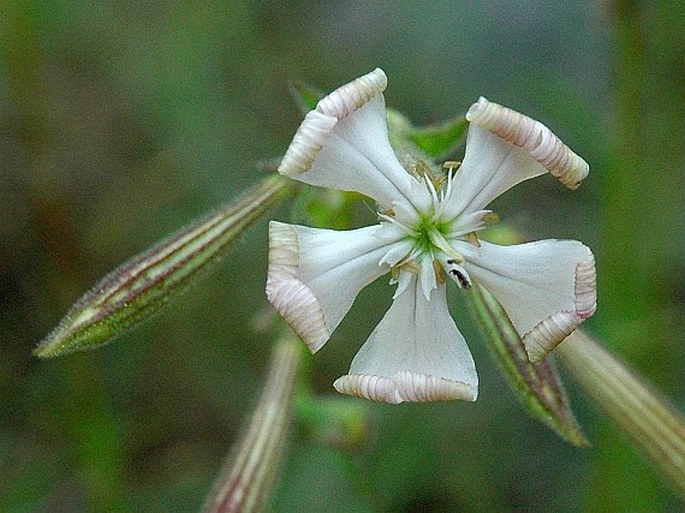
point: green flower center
(430, 235)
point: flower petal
(531, 135)
(314, 275)
(343, 144)
(547, 287)
(504, 148)
(415, 354)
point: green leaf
(144, 284)
(438, 141)
(537, 386)
(325, 208)
(305, 95)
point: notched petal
(542, 144)
(405, 386)
(307, 143)
(343, 144)
(547, 288)
(415, 354)
(319, 124)
(552, 331)
(292, 298)
(348, 98)
(315, 274)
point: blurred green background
(121, 121)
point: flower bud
(144, 284)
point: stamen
(421, 168)
(401, 226)
(447, 191)
(439, 272)
(441, 243)
(491, 218)
(431, 188)
(451, 165)
(473, 239)
(408, 264)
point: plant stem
(655, 428)
(246, 481)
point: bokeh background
(122, 121)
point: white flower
(427, 234)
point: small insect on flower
(427, 232)
(461, 279)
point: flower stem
(248, 476)
(655, 428)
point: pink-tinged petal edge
(292, 298)
(415, 354)
(404, 386)
(524, 132)
(549, 333)
(315, 274)
(319, 123)
(547, 287)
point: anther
(439, 272)
(451, 165)
(491, 218)
(473, 239)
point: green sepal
(538, 386)
(439, 141)
(147, 282)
